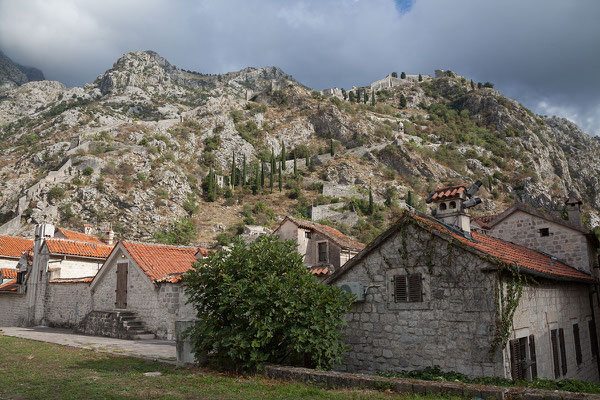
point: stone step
(144, 336)
(133, 324)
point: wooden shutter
(593, 338)
(555, 353)
(577, 343)
(532, 357)
(400, 289)
(415, 288)
(563, 351)
(515, 360)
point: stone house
(325, 249)
(436, 293)
(145, 280)
(568, 240)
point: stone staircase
(116, 324)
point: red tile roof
(446, 193)
(10, 286)
(336, 236)
(11, 246)
(163, 263)
(75, 248)
(528, 260)
(8, 273)
(87, 279)
(78, 236)
(319, 270)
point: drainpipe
(591, 297)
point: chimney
(451, 203)
(88, 229)
(573, 206)
(110, 237)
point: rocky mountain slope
(131, 150)
(13, 74)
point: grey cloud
(543, 53)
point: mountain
(13, 74)
(132, 149)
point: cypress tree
(283, 154)
(271, 176)
(307, 159)
(233, 181)
(344, 94)
(366, 97)
(256, 180)
(373, 98)
(280, 177)
(403, 75)
(394, 74)
(472, 84)
(351, 97)
(331, 147)
(295, 166)
(262, 173)
(209, 185)
(420, 78)
(402, 101)
(371, 207)
(243, 173)
(409, 199)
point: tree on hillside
(394, 74)
(331, 147)
(403, 75)
(410, 201)
(402, 101)
(351, 97)
(272, 175)
(210, 187)
(372, 98)
(283, 154)
(262, 173)
(233, 180)
(256, 180)
(295, 165)
(181, 233)
(280, 176)
(488, 85)
(371, 208)
(472, 84)
(257, 303)
(344, 94)
(420, 78)
(478, 85)
(307, 159)
(366, 97)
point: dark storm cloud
(544, 53)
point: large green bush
(258, 304)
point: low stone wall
(66, 304)
(334, 380)
(13, 309)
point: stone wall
(565, 243)
(452, 327)
(66, 304)
(548, 305)
(73, 267)
(13, 309)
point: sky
(543, 53)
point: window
(442, 206)
(452, 204)
(557, 336)
(322, 250)
(577, 343)
(518, 355)
(307, 234)
(544, 232)
(408, 288)
(593, 338)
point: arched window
(452, 204)
(442, 206)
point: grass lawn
(37, 370)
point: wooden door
(121, 290)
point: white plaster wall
(9, 263)
(73, 267)
(548, 305)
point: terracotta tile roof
(319, 270)
(162, 263)
(12, 246)
(484, 220)
(76, 248)
(86, 279)
(528, 260)
(446, 193)
(78, 236)
(10, 286)
(8, 273)
(336, 236)
(573, 200)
